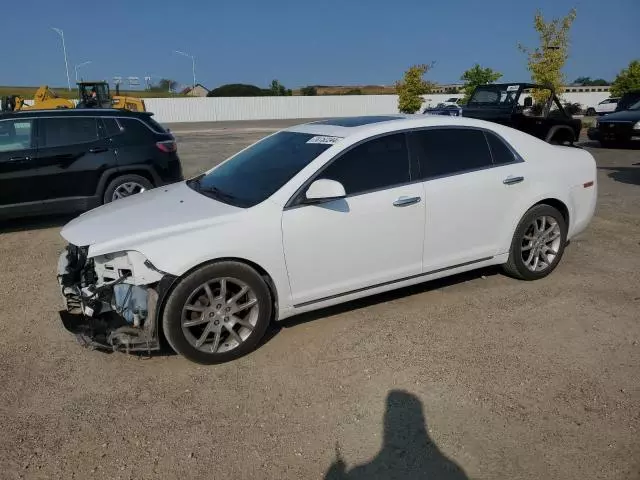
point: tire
(118, 184)
(562, 137)
(517, 266)
(217, 344)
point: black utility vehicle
(59, 161)
(618, 128)
(500, 103)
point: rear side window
(499, 151)
(16, 135)
(58, 132)
(447, 151)
(155, 125)
(379, 163)
(111, 127)
(135, 130)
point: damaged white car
(315, 215)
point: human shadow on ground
(407, 450)
(630, 175)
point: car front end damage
(112, 300)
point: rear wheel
(125, 186)
(217, 313)
(538, 244)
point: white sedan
(314, 215)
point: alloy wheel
(541, 243)
(127, 189)
(220, 315)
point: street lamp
(76, 67)
(193, 66)
(64, 49)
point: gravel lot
(479, 376)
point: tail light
(167, 146)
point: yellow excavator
(90, 95)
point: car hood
(147, 216)
(624, 116)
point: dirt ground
(478, 376)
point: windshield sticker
(512, 88)
(324, 140)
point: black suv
(59, 161)
(500, 103)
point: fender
(557, 128)
(112, 172)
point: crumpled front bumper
(109, 306)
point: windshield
(635, 106)
(498, 95)
(258, 172)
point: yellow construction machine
(97, 95)
(90, 95)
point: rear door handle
(405, 201)
(512, 180)
(98, 149)
(19, 159)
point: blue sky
(303, 42)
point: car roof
(74, 112)
(378, 124)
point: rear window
(135, 130)
(155, 125)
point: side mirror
(324, 189)
(528, 102)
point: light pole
(193, 67)
(76, 67)
(64, 49)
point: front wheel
(125, 186)
(217, 313)
(538, 244)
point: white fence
(173, 110)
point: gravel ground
(477, 376)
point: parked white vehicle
(315, 215)
(606, 106)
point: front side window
(447, 151)
(59, 132)
(16, 135)
(256, 173)
(379, 163)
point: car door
(20, 180)
(372, 236)
(472, 181)
(74, 153)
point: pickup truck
(510, 104)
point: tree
(587, 82)
(237, 90)
(353, 91)
(279, 90)
(309, 91)
(165, 85)
(411, 88)
(546, 61)
(627, 80)
(475, 76)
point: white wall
(173, 110)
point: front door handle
(19, 159)
(512, 180)
(98, 149)
(405, 201)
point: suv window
(111, 127)
(57, 132)
(135, 129)
(500, 153)
(16, 135)
(375, 164)
(447, 151)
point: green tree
(475, 76)
(309, 91)
(627, 80)
(279, 90)
(411, 88)
(546, 61)
(165, 85)
(588, 82)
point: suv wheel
(125, 186)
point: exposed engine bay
(111, 300)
